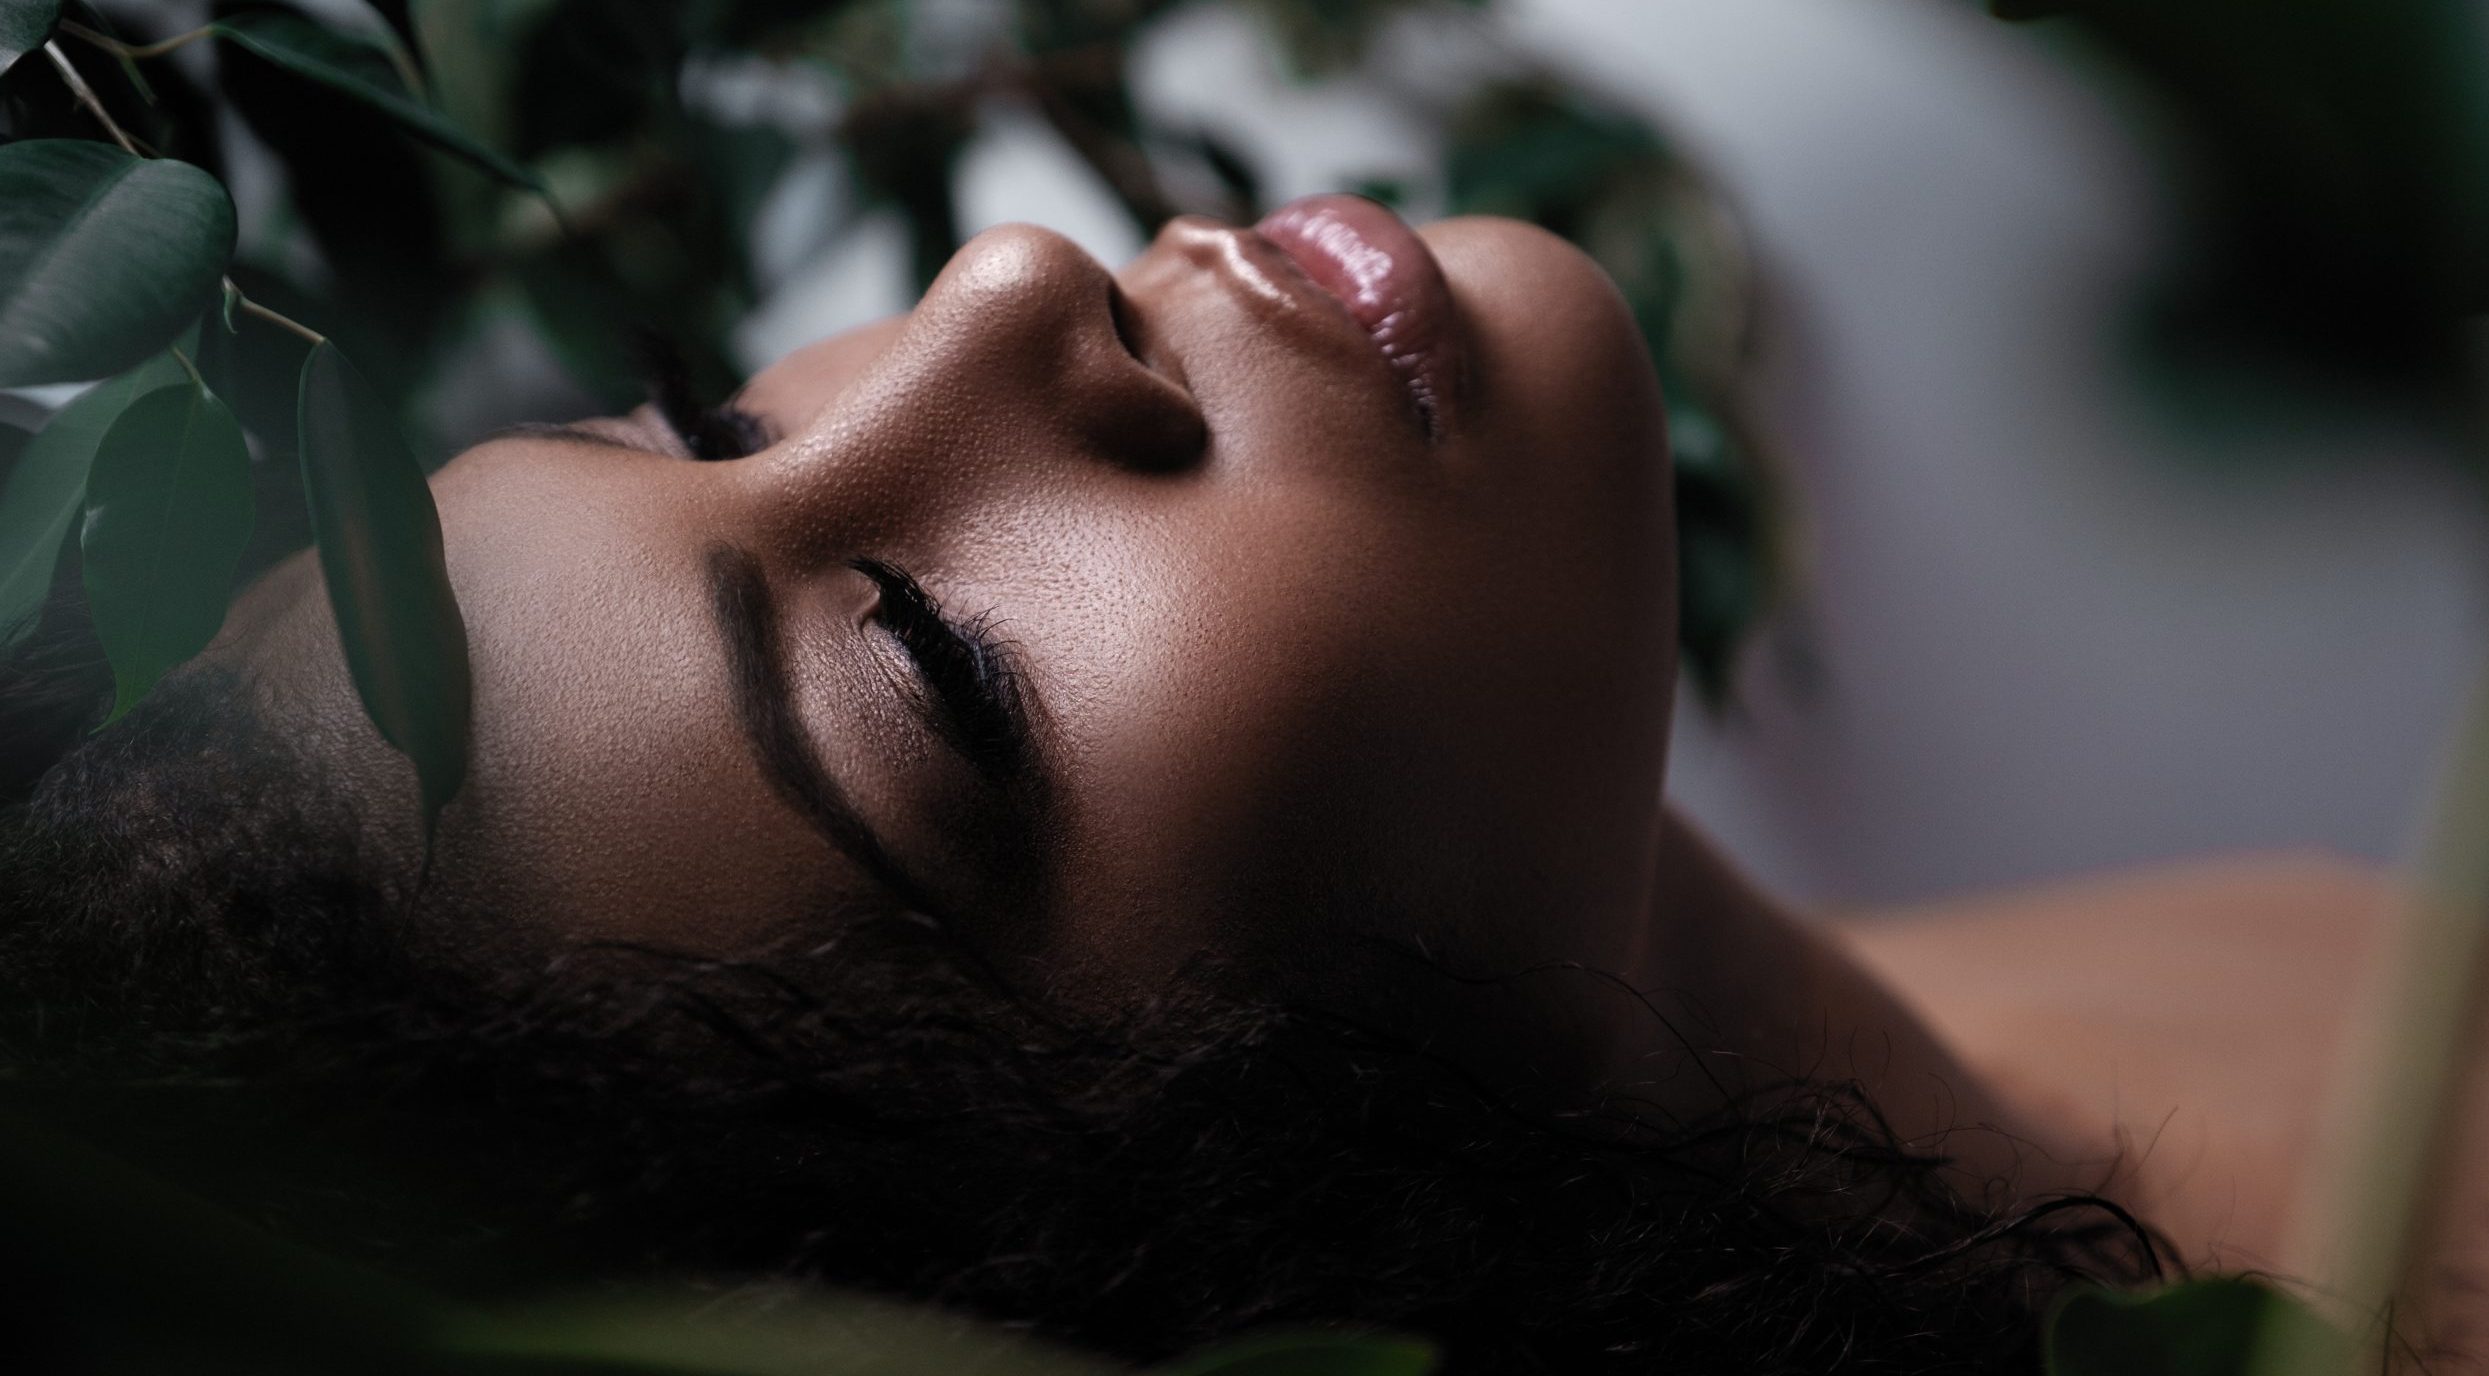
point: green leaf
(2207, 1327)
(24, 25)
(1310, 1354)
(379, 538)
(340, 63)
(47, 488)
(778, 1332)
(168, 510)
(104, 257)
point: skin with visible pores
(1314, 687)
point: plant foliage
(168, 512)
(2207, 1327)
(2337, 171)
(380, 553)
(24, 24)
(109, 255)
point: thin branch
(189, 367)
(118, 48)
(86, 97)
(283, 322)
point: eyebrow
(747, 621)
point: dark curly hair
(199, 968)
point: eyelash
(969, 669)
(710, 433)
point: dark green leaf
(2208, 1327)
(341, 64)
(47, 488)
(786, 1332)
(24, 25)
(379, 538)
(168, 510)
(1310, 1354)
(104, 257)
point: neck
(1755, 999)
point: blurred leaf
(740, 165)
(46, 489)
(1321, 38)
(379, 538)
(591, 72)
(323, 55)
(168, 511)
(787, 1332)
(24, 25)
(1310, 1354)
(104, 257)
(164, 109)
(2207, 1327)
(1237, 182)
(575, 301)
(905, 152)
(365, 195)
(2335, 164)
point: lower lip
(1378, 268)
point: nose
(1017, 368)
(1025, 316)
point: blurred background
(2077, 401)
(2077, 587)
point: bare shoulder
(2185, 1019)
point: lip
(1370, 261)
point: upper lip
(1377, 270)
(1261, 268)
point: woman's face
(1306, 599)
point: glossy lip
(1367, 259)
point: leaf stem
(86, 97)
(196, 377)
(284, 322)
(118, 48)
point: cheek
(1304, 724)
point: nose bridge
(969, 390)
(1009, 378)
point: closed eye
(710, 431)
(970, 673)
